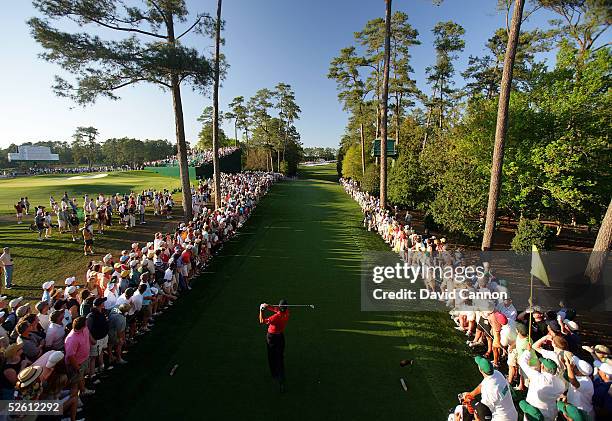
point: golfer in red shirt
(275, 339)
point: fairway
(39, 188)
(303, 244)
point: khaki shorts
(97, 348)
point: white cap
(584, 367)
(134, 263)
(48, 285)
(107, 257)
(605, 367)
(3, 297)
(571, 324)
(70, 281)
(71, 289)
(15, 302)
(54, 358)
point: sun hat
(28, 375)
(23, 310)
(54, 358)
(572, 325)
(584, 367)
(107, 269)
(70, 280)
(117, 266)
(107, 257)
(571, 411)
(48, 284)
(548, 364)
(132, 255)
(125, 273)
(604, 367)
(134, 245)
(602, 349)
(483, 364)
(12, 349)
(531, 412)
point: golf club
(299, 305)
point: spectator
(54, 339)
(77, 345)
(6, 263)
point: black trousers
(276, 355)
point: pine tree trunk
(398, 103)
(179, 124)
(599, 255)
(216, 169)
(502, 125)
(235, 134)
(363, 156)
(383, 108)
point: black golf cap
(282, 304)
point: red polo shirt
(278, 321)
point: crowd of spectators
(61, 348)
(195, 157)
(69, 170)
(534, 360)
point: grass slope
(303, 243)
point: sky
(267, 41)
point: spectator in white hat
(48, 291)
(580, 390)
(602, 398)
(11, 319)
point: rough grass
(303, 243)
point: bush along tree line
(86, 150)
(556, 145)
(269, 139)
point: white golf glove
(262, 306)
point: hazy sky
(267, 41)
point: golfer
(275, 339)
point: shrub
(371, 180)
(532, 232)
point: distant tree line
(85, 149)
(266, 121)
(313, 154)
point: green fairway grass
(60, 257)
(39, 188)
(304, 244)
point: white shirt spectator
(544, 388)
(55, 337)
(582, 397)
(495, 393)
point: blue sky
(267, 41)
